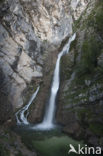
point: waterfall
(22, 114)
(48, 121)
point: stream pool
(47, 143)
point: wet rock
(72, 129)
(4, 105)
(13, 144)
(100, 60)
(93, 140)
(87, 82)
(101, 143)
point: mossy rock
(66, 67)
(81, 113)
(96, 128)
(19, 154)
(95, 19)
(6, 108)
(3, 151)
(1, 1)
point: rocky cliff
(29, 31)
(80, 107)
(32, 32)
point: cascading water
(48, 121)
(20, 115)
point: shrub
(95, 19)
(99, 21)
(90, 51)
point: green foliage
(95, 19)
(91, 49)
(99, 21)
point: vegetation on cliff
(82, 101)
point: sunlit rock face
(52, 19)
(18, 67)
(78, 6)
(25, 26)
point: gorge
(48, 121)
(33, 37)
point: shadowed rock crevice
(5, 103)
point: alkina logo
(84, 150)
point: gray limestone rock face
(6, 108)
(18, 67)
(25, 25)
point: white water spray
(21, 115)
(48, 121)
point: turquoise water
(47, 143)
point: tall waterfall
(48, 121)
(22, 114)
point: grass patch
(92, 46)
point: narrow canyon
(35, 59)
